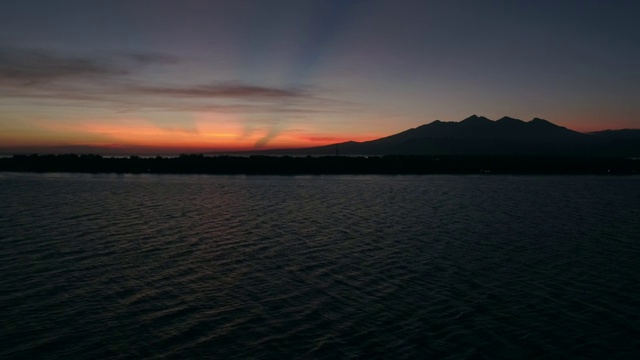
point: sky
(196, 75)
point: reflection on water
(142, 266)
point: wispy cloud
(32, 67)
(113, 83)
(273, 132)
(225, 90)
(50, 74)
(20, 66)
(325, 139)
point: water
(456, 267)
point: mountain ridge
(478, 135)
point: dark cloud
(30, 67)
(245, 108)
(238, 91)
(34, 67)
(51, 78)
(123, 101)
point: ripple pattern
(401, 267)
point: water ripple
(319, 267)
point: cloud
(225, 90)
(27, 67)
(274, 131)
(250, 108)
(31, 67)
(326, 139)
(50, 78)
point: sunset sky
(196, 75)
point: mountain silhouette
(477, 135)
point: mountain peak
(541, 121)
(475, 119)
(507, 119)
(477, 135)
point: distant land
(320, 165)
(477, 135)
(475, 145)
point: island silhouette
(475, 145)
(477, 135)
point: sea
(319, 267)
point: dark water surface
(459, 267)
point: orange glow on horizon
(206, 133)
(596, 122)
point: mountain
(624, 142)
(477, 135)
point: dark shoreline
(324, 165)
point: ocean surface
(321, 267)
